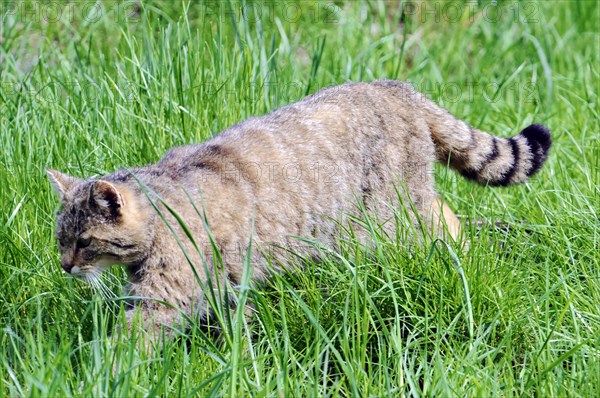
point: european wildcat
(289, 173)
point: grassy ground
(90, 87)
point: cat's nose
(66, 265)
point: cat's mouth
(78, 272)
(84, 273)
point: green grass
(518, 314)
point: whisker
(107, 292)
(93, 280)
(94, 283)
(103, 280)
(101, 286)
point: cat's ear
(61, 182)
(107, 197)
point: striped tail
(484, 158)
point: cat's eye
(83, 242)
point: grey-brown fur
(291, 173)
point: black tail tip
(538, 135)
(539, 141)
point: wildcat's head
(100, 224)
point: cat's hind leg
(445, 222)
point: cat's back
(326, 148)
(337, 120)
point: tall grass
(517, 314)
